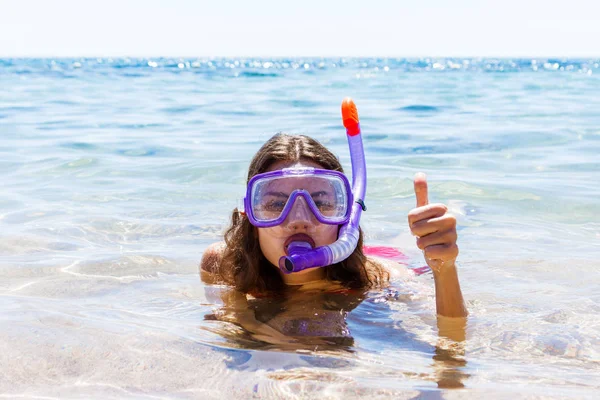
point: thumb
(421, 189)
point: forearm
(448, 296)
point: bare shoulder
(393, 268)
(211, 262)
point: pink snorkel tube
(301, 254)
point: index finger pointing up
(421, 189)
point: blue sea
(116, 175)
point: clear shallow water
(116, 175)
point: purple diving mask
(271, 196)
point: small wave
(532, 87)
(304, 104)
(64, 126)
(131, 126)
(21, 109)
(258, 74)
(149, 152)
(236, 113)
(180, 110)
(79, 146)
(133, 75)
(374, 137)
(448, 148)
(61, 102)
(420, 108)
(195, 122)
(123, 64)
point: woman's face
(300, 224)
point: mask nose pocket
(300, 214)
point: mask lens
(330, 198)
(267, 203)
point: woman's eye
(324, 205)
(275, 205)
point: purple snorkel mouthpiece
(301, 255)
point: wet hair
(243, 264)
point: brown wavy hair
(243, 264)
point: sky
(280, 28)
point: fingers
(428, 226)
(426, 212)
(443, 252)
(420, 183)
(437, 238)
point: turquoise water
(117, 173)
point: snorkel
(301, 255)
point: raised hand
(436, 236)
(434, 228)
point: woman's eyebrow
(276, 194)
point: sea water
(116, 175)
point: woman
(248, 258)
